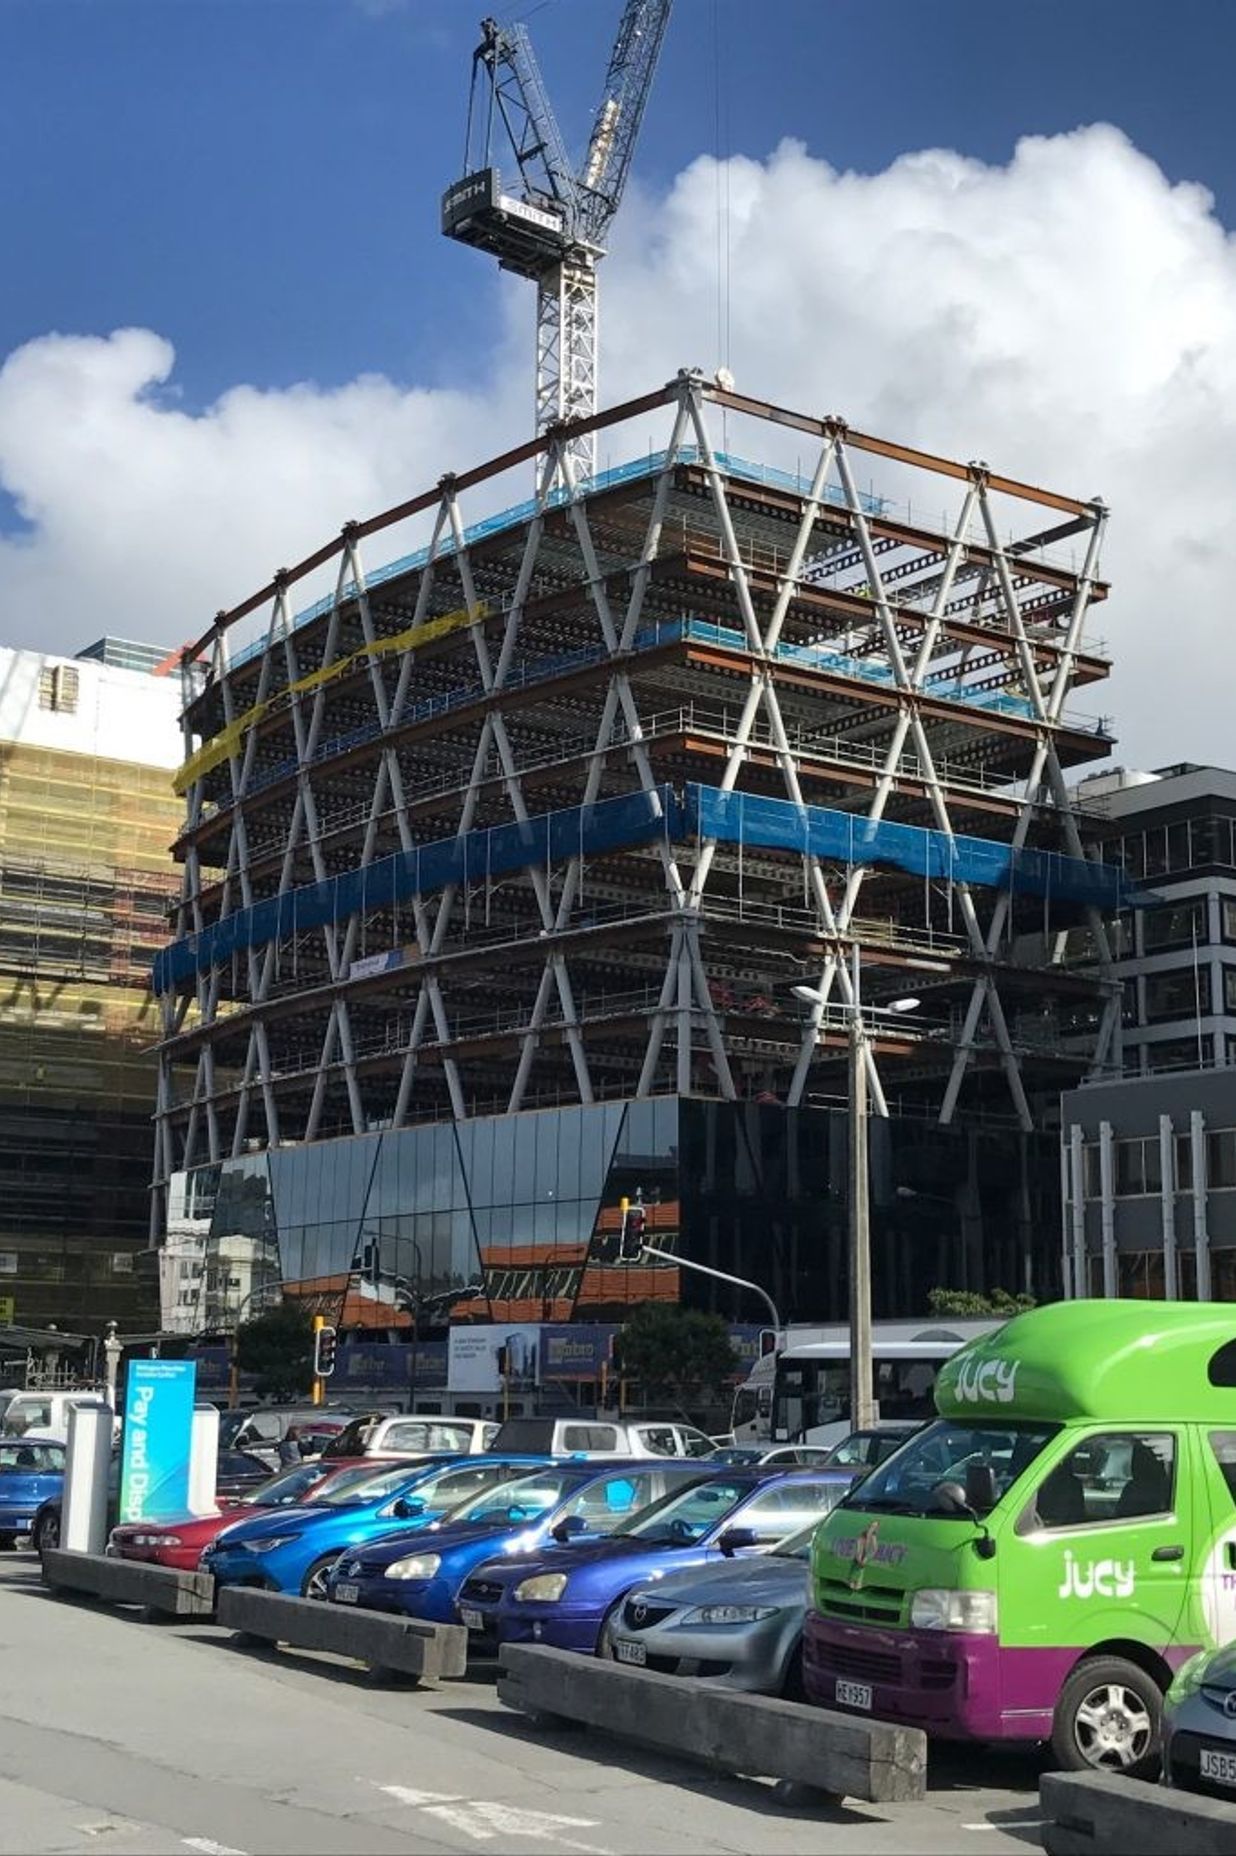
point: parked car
(561, 1500)
(45, 1412)
(600, 1437)
(862, 1450)
(407, 1435)
(751, 1456)
(293, 1551)
(1199, 1726)
(181, 1543)
(31, 1473)
(737, 1623)
(569, 1594)
(267, 1429)
(237, 1472)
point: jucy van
(1037, 1563)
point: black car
(237, 1473)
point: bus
(811, 1386)
(802, 1393)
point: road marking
(1009, 1823)
(484, 1821)
(208, 1847)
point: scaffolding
(583, 799)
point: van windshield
(914, 1481)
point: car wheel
(313, 1585)
(792, 1688)
(47, 1533)
(1109, 1716)
(609, 1623)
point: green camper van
(1037, 1563)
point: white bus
(802, 1394)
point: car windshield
(288, 1487)
(365, 1486)
(689, 1514)
(521, 1500)
(796, 1546)
(32, 1458)
(929, 1473)
(694, 1443)
(459, 1483)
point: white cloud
(1071, 317)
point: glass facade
(523, 1204)
(85, 882)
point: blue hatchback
(565, 1500)
(31, 1472)
(291, 1549)
(567, 1595)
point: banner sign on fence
(158, 1437)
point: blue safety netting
(471, 857)
(848, 838)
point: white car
(600, 1437)
(377, 1434)
(45, 1412)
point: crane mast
(550, 226)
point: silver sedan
(737, 1623)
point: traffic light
(325, 1346)
(634, 1220)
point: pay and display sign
(158, 1436)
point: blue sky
(259, 179)
(228, 320)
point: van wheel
(1109, 1716)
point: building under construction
(87, 748)
(548, 864)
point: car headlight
(937, 1608)
(416, 1566)
(156, 1540)
(728, 1614)
(546, 1588)
(1187, 1677)
(269, 1542)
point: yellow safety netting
(220, 747)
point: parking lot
(136, 1737)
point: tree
(676, 1355)
(960, 1303)
(277, 1347)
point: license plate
(630, 1652)
(347, 1594)
(854, 1695)
(1219, 1767)
(475, 1620)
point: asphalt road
(135, 1738)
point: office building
(547, 863)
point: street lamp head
(910, 1004)
(808, 994)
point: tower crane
(552, 222)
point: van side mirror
(981, 1491)
(737, 1539)
(568, 1528)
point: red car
(180, 1543)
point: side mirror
(407, 1506)
(737, 1539)
(981, 1491)
(568, 1528)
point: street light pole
(862, 1408)
(704, 1269)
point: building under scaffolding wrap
(502, 864)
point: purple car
(568, 1594)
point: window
(1180, 1054)
(421, 1436)
(659, 1438)
(787, 1506)
(603, 1504)
(58, 688)
(122, 1263)
(8, 1263)
(1223, 1443)
(589, 1437)
(1177, 925)
(1184, 992)
(1227, 917)
(33, 1459)
(1138, 1168)
(1229, 989)
(1221, 1158)
(1119, 1476)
